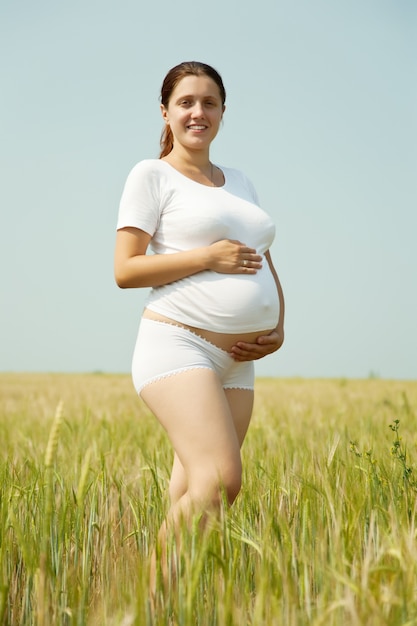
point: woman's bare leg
(206, 426)
(178, 483)
(241, 405)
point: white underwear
(164, 349)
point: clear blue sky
(321, 115)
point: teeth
(197, 127)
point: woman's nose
(198, 110)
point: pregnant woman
(216, 303)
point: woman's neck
(195, 160)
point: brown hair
(171, 80)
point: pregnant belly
(225, 341)
(221, 308)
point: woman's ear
(164, 114)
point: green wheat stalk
(45, 556)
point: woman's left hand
(264, 345)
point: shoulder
(147, 167)
(236, 179)
(144, 182)
(148, 176)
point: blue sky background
(321, 115)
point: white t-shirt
(181, 214)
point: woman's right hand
(134, 268)
(229, 256)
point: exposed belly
(225, 341)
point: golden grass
(323, 532)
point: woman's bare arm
(134, 268)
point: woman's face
(194, 112)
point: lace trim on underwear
(243, 387)
(155, 379)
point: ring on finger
(244, 262)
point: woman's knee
(178, 483)
(214, 488)
(232, 488)
(176, 489)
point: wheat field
(322, 534)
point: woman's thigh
(240, 404)
(197, 415)
(241, 407)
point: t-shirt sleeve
(140, 202)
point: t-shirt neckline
(194, 181)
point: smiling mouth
(196, 127)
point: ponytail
(166, 142)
